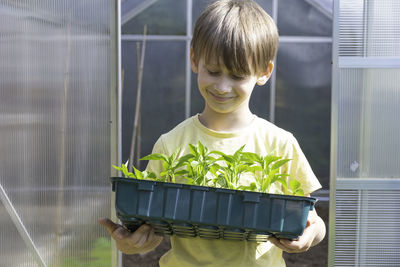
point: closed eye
(213, 73)
(238, 77)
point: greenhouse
(90, 84)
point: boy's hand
(142, 240)
(313, 234)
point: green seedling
(235, 165)
(145, 175)
(199, 163)
(266, 173)
(200, 167)
(295, 188)
(171, 165)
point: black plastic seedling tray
(208, 212)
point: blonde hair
(238, 32)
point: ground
(316, 257)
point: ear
(193, 64)
(264, 77)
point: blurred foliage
(99, 256)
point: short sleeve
(299, 168)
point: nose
(223, 85)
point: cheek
(203, 80)
(245, 92)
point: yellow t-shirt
(261, 137)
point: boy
(233, 47)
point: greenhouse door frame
(352, 198)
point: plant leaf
(201, 148)
(252, 187)
(228, 159)
(181, 173)
(117, 168)
(250, 156)
(242, 168)
(270, 158)
(299, 192)
(282, 182)
(238, 153)
(138, 173)
(294, 185)
(279, 163)
(190, 180)
(214, 169)
(185, 159)
(193, 150)
(150, 175)
(155, 156)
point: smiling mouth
(220, 98)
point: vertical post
(115, 108)
(334, 133)
(63, 150)
(273, 76)
(188, 75)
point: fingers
(109, 225)
(142, 240)
(141, 235)
(289, 245)
(117, 231)
(302, 244)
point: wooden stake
(63, 151)
(138, 97)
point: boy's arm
(313, 234)
(141, 241)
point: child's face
(225, 92)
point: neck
(225, 122)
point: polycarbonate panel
(164, 17)
(368, 132)
(369, 28)
(163, 92)
(13, 250)
(366, 140)
(367, 230)
(305, 17)
(55, 130)
(303, 100)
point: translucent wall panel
(165, 17)
(367, 228)
(54, 127)
(365, 135)
(369, 28)
(368, 140)
(305, 17)
(17, 249)
(260, 100)
(303, 100)
(163, 92)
